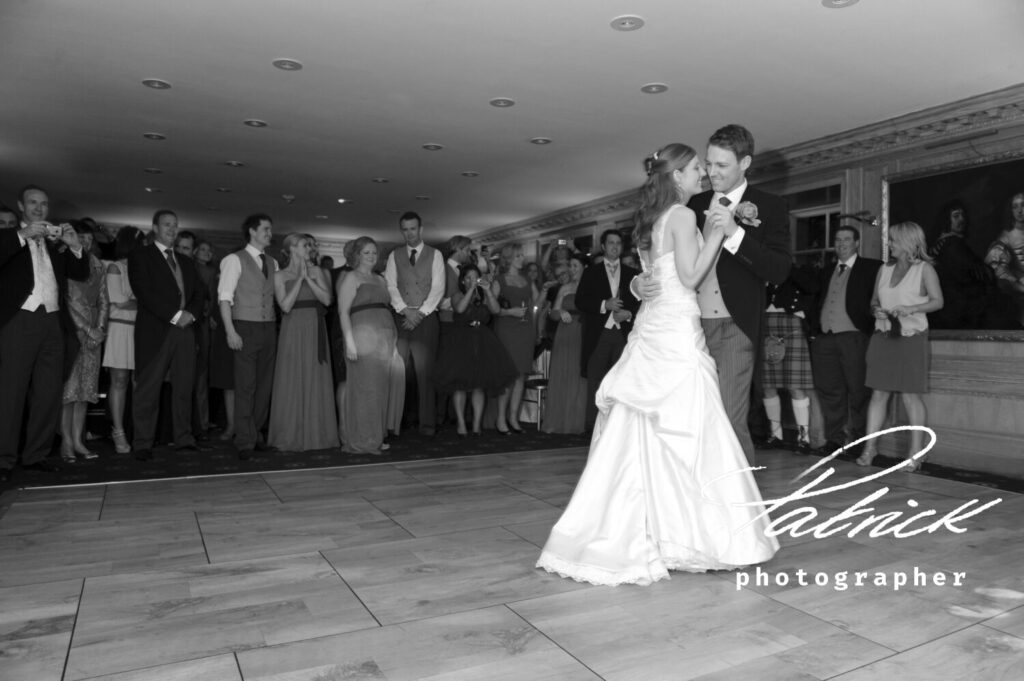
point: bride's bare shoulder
(681, 217)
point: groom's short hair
(735, 138)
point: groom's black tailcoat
(590, 292)
(764, 255)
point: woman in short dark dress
(515, 328)
(906, 290)
(473, 360)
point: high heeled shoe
(866, 457)
(515, 429)
(121, 445)
(912, 465)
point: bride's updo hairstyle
(659, 192)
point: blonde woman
(302, 414)
(514, 326)
(906, 290)
(370, 336)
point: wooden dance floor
(424, 570)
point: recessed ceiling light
(156, 84)
(503, 102)
(654, 88)
(540, 140)
(627, 22)
(154, 136)
(152, 171)
(320, 217)
(255, 123)
(838, 4)
(470, 173)
(234, 164)
(422, 197)
(342, 200)
(379, 180)
(433, 146)
(288, 64)
(154, 190)
(224, 190)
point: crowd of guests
(310, 356)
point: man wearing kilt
(787, 361)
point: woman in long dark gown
(566, 408)
(302, 416)
(515, 328)
(369, 331)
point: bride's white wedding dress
(663, 488)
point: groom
(756, 250)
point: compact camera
(54, 231)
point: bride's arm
(692, 262)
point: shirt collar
(849, 262)
(611, 262)
(253, 251)
(734, 196)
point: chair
(535, 390)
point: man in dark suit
(756, 250)
(608, 308)
(840, 330)
(170, 299)
(35, 263)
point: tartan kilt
(794, 371)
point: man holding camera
(35, 263)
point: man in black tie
(170, 299)
(840, 331)
(608, 308)
(35, 263)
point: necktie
(412, 257)
(263, 266)
(725, 201)
(613, 267)
(842, 267)
(170, 260)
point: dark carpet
(223, 458)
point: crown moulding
(1000, 109)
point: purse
(774, 349)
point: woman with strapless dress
(565, 409)
(666, 485)
(515, 328)
(370, 335)
(302, 414)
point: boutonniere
(746, 214)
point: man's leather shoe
(244, 454)
(143, 454)
(771, 443)
(194, 447)
(829, 447)
(43, 466)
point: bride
(664, 486)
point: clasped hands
(413, 317)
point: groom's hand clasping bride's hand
(720, 217)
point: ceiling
(381, 78)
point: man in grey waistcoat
(415, 274)
(246, 298)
